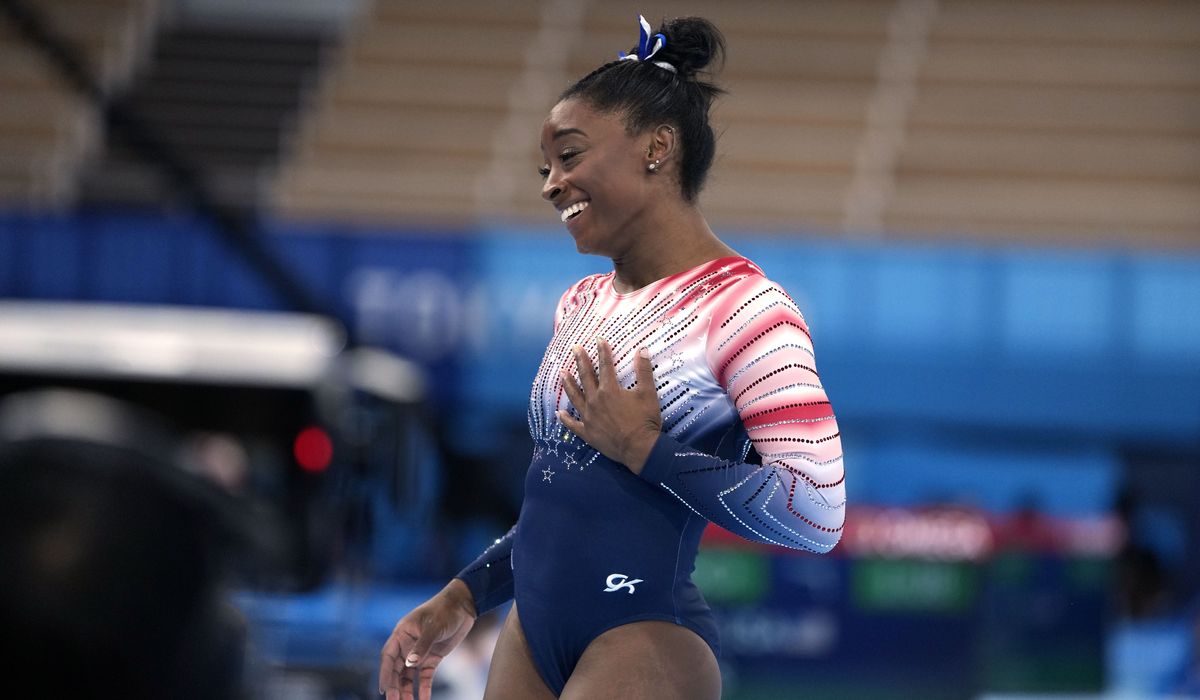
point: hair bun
(693, 43)
(646, 95)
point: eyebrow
(559, 133)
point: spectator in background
(1143, 587)
(113, 560)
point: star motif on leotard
(546, 474)
(724, 271)
(673, 319)
(676, 360)
(537, 453)
(569, 461)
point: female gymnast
(677, 390)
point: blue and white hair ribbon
(644, 50)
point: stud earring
(653, 166)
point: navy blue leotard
(749, 442)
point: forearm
(775, 503)
(489, 579)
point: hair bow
(644, 50)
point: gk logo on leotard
(618, 581)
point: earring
(653, 166)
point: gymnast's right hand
(421, 639)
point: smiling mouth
(572, 211)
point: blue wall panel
(9, 222)
(315, 256)
(928, 301)
(996, 476)
(1166, 310)
(1058, 305)
(53, 249)
(198, 265)
(131, 259)
(409, 294)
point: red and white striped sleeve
(760, 351)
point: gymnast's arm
(760, 350)
(490, 576)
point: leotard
(749, 442)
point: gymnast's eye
(544, 171)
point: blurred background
(275, 277)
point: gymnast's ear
(662, 143)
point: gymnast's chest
(674, 333)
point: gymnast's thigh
(512, 675)
(647, 660)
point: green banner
(731, 576)
(909, 585)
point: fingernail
(645, 352)
(411, 660)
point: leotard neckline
(607, 281)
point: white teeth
(572, 210)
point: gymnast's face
(595, 175)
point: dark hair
(648, 95)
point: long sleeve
(490, 576)
(759, 349)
